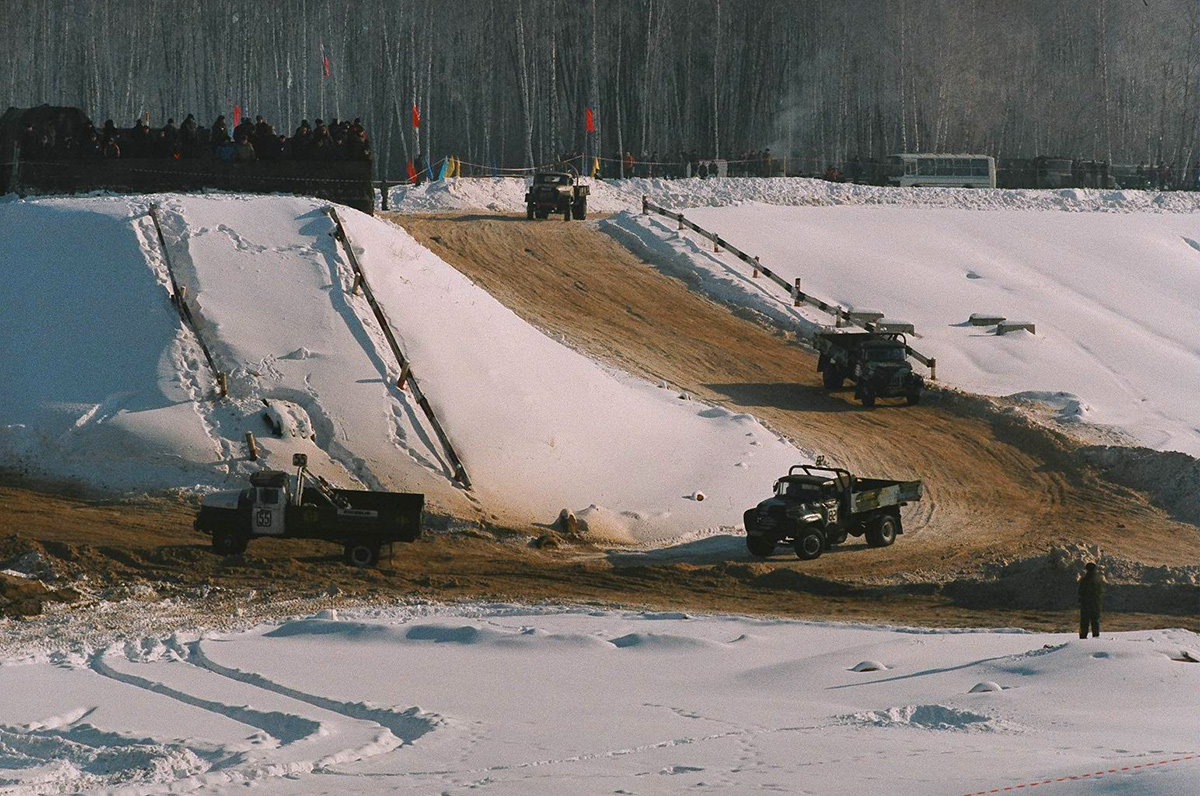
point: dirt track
(996, 487)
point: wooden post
(383, 197)
(796, 295)
(404, 371)
(357, 283)
(933, 370)
(222, 385)
(756, 267)
(250, 444)
(716, 242)
(837, 324)
(645, 205)
(681, 221)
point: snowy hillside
(1108, 278)
(98, 380)
(511, 700)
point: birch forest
(507, 81)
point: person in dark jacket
(1091, 597)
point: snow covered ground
(100, 382)
(516, 700)
(1109, 279)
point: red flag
(589, 124)
(237, 115)
(416, 117)
(325, 60)
(412, 173)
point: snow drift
(99, 381)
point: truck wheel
(362, 554)
(761, 546)
(529, 210)
(229, 543)
(809, 544)
(832, 377)
(867, 397)
(914, 398)
(882, 532)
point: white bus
(943, 171)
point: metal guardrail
(179, 300)
(841, 314)
(406, 372)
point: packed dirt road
(997, 487)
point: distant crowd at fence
(250, 140)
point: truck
(877, 363)
(306, 506)
(816, 507)
(556, 192)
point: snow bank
(507, 195)
(98, 381)
(473, 696)
(1111, 296)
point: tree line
(507, 82)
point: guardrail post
(796, 294)
(383, 197)
(933, 370)
(645, 205)
(222, 385)
(680, 219)
(357, 283)
(716, 242)
(755, 268)
(251, 446)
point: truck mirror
(299, 460)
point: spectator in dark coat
(244, 150)
(1091, 598)
(220, 132)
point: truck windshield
(797, 490)
(885, 354)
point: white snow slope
(512, 700)
(1109, 279)
(100, 382)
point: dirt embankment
(997, 486)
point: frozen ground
(1107, 277)
(99, 381)
(516, 700)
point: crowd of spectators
(248, 141)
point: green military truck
(815, 507)
(877, 363)
(556, 192)
(305, 506)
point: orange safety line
(1088, 775)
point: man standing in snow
(1091, 595)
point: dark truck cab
(279, 505)
(556, 192)
(876, 362)
(816, 507)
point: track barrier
(179, 300)
(407, 377)
(841, 314)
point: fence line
(179, 299)
(406, 373)
(841, 314)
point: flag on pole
(237, 115)
(590, 124)
(324, 60)
(416, 117)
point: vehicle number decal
(262, 518)
(833, 512)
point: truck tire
(883, 530)
(529, 211)
(580, 210)
(809, 544)
(229, 543)
(361, 553)
(832, 377)
(913, 397)
(867, 397)
(760, 546)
